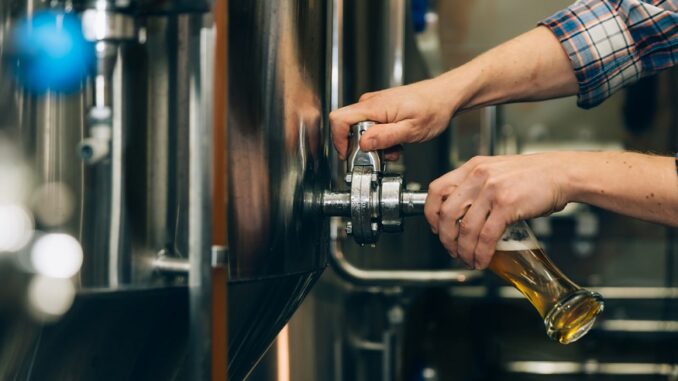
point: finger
(437, 192)
(452, 218)
(382, 136)
(470, 227)
(393, 153)
(445, 185)
(490, 234)
(448, 225)
(367, 96)
(342, 119)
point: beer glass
(569, 311)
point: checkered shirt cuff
(612, 43)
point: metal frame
(200, 208)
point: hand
(405, 114)
(471, 206)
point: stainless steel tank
(278, 169)
(128, 320)
(132, 206)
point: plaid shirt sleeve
(612, 43)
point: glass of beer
(569, 311)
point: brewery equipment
(376, 201)
(127, 146)
(132, 143)
(277, 168)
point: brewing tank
(278, 167)
(126, 320)
(118, 144)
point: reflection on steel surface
(278, 167)
(395, 53)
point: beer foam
(514, 245)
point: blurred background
(162, 163)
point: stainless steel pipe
(339, 203)
(412, 203)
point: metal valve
(376, 201)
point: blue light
(49, 52)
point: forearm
(637, 185)
(532, 66)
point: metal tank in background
(112, 167)
(127, 184)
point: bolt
(349, 228)
(375, 178)
(348, 178)
(375, 227)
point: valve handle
(358, 157)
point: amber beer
(569, 311)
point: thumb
(382, 136)
(342, 119)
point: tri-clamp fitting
(376, 201)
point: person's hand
(470, 207)
(405, 114)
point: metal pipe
(336, 204)
(339, 203)
(611, 293)
(412, 203)
(639, 326)
(171, 266)
(591, 368)
(337, 54)
(390, 278)
(200, 204)
(396, 42)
